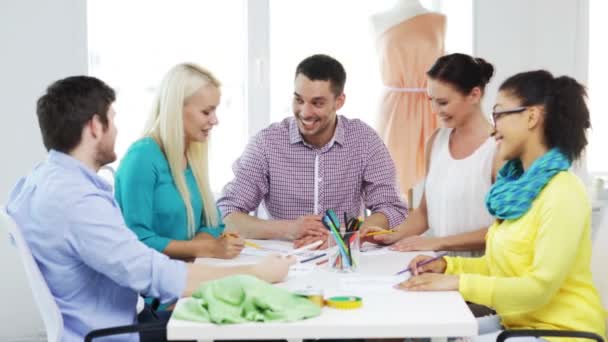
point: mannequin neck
(401, 11)
(412, 7)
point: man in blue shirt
(93, 264)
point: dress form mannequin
(401, 11)
(409, 39)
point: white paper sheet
(369, 249)
(357, 283)
(277, 247)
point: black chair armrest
(547, 333)
(155, 304)
(125, 329)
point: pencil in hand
(253, 245)
(380, 232)
(428, 261)
(229, 234)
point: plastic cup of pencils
(344, 252)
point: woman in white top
(461, 164)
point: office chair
(51, 316)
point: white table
(386, 312)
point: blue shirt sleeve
(134, 191)
(96, 227)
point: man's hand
(273, 268)
(305, 240)
(379, 235)
(306, 225)
(417, 243)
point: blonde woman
(162, 183)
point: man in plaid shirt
(311, 162)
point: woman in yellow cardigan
(536, 270)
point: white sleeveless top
(455, 189)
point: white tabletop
(386, 312)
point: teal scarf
(515, 190)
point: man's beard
(105, 154)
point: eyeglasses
(500, 113)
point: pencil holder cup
(344, 252)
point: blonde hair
(166, 126)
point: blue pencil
(313, 258)
(427, 261)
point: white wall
(521, 35)
(40, 41)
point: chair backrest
(598, 260)
(49, 311)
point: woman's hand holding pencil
(427, 264)
(228, 246)
(380, 232)
(427, 275)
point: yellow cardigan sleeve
(470, 267)
(564, 215)
(460, 265)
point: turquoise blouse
(150, 202)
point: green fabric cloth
(150, 202)
(242, 298)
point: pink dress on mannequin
(407, 50)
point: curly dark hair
(564, 101)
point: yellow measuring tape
(349, 302)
